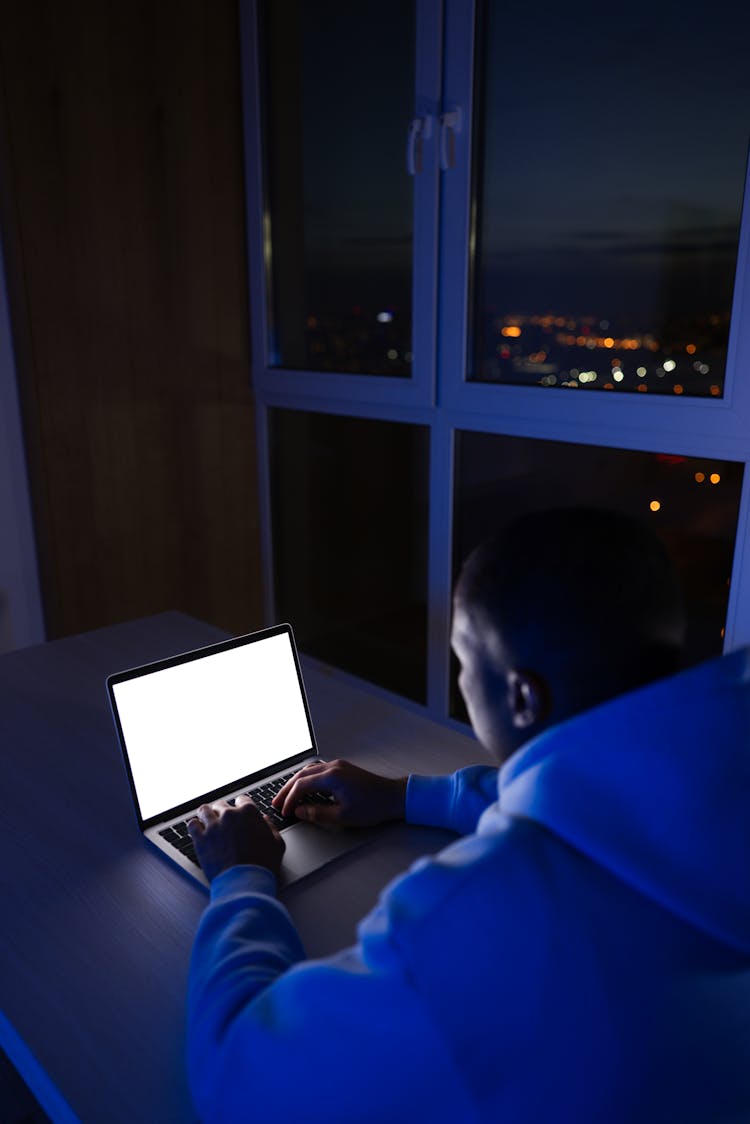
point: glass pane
(691, 502)
(349, 503)
(339, 95)
(611, 158)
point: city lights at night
(573, 351)
(543, 349)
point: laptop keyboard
(261, 796)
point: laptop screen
(211, 720)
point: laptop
(226, 719)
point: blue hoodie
(581, 955)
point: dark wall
(121, 201)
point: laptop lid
(196, 726)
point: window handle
(420, 130)
(450, 126)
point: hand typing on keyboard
(226, 835)
(337, 792)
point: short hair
(586, 589)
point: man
(583, 952)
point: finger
(274, 830)
(194, 826)
(319, 813)
(283, 792)
(246, 805)
(311, 782)
(249, 807)
(207, 814)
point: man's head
(561, 611)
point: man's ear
(528, 699)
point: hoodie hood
(655, 787)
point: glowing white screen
(192, 728)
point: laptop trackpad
(309, 847)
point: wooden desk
(97, 929)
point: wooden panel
(122, 206)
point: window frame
(688, 426)
(439, 394)
(419, 389)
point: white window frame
(439, 394)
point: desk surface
(97, 929)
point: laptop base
(308, 848)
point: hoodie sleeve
(455, 802)
(270, 1035)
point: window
(691, 502)
(339, 205)
(609, 181)
(349, 515)
(445, 217)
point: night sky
(615, 148)
(611, 151)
